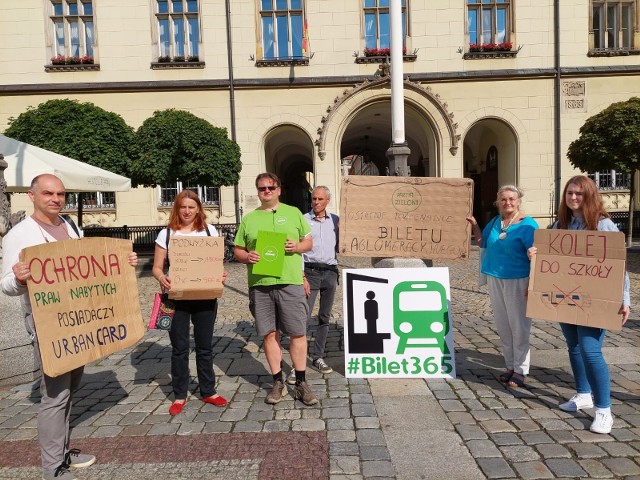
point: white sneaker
(602, 422)
(577, 402)
(291, 378)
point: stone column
(5, 214)
(16, 353)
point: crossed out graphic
(569, 298)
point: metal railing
(144, 237)
(621, 219)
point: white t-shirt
(162, 236)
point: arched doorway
(368, 137)
(289, 154)
(490, 156)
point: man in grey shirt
(321, 270)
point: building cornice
(310, 82)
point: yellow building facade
(495, 90)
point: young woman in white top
(188, 218)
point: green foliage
(609, 139)
(81, 131)
(176, 145)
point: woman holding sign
(506, 239)
(581, 209)
(187, 218)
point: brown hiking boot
(303, 393)
(277, 393)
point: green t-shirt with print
(285, 219)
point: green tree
(81, 131)
(176, 145)
(611, 140)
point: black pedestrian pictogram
(371, 341)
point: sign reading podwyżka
(419, 217)
(84, 297)
(577, 277)
(398, 323)
(196, 267)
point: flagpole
(399, 151)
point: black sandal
(506, 376)
(516, 380)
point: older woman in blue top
(581, 209)
(506, 239)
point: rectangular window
(489, 21)
(178, 28)
(91, 200)
(73, 28)
(377, 24)
(282, 29)
(612, 24)
(611, 180)
(208, 195)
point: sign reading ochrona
(398, 323)
(84, 297)
(405, 217)
(196, 267)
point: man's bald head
(44, 177)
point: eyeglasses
(271, 188)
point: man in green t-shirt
(278, 303)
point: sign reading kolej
(419, 217)
(84, 297)
(196, 267)
(577, 277)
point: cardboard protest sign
(418, 217)
(84, 297)
(270, 246)
(196, 267)
(577, 277)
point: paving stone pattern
(121, 411)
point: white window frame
(372, 10)
(189, 21)
(601, 38)
(493, 36)
(613, 180)
(91, 200)
(62, 21)
(272, 13)
(209, 196)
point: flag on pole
(305, 38)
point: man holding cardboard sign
(276, 294)
(45, 225)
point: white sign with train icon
(398, 323)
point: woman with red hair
(187, 218)
(581, 209)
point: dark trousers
(203, 315)
(323, 282)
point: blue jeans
(587, 362)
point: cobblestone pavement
(121, 412)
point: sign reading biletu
(419, 217)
